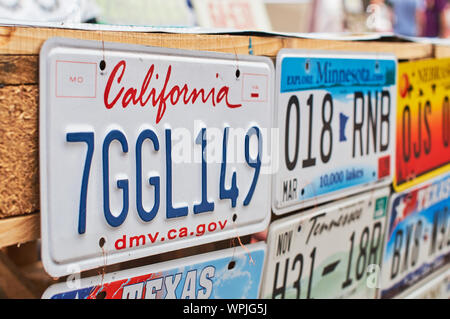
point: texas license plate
(329, 252)
(437, 287)
(336, 120)
(233, 273)
(148, 150)
(418, 237)
(423, 122)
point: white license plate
(418, 236)
(329, 252)
(149, 151)
(336, 119)
(233, 273)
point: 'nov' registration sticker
(336, 119)
(147, 150)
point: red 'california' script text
(174, 95)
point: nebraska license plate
(231, 273)
(418, 236)
(336, 120)
(333, 251)
(147, 150)
(423, 122)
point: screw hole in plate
(102, 65)
(102, 242)
(101, 295)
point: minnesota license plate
(336, 120)
(148, 150)
(418, 236)
(233, 273)
(329, 252)
(423, 122)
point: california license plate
(423, 122)
(231, 273)
(333, 251)
(418, 236)
(336, 120)
(148, 150)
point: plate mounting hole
(102, 242)
(101, 295)
(102, 65)
(238, 73)
(234, 217)
(231, 265)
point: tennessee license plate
(147, 150)
(231, 273)
(333, 251)
(336, 120)
(418, 237)
(423, 122)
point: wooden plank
(24, 254)
(442, 51)
(18, 69)
(19, 230)
(403, 50)
(37, 275)
(28, 40)
(12, 282)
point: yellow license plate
(423, 121)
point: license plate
(231, 273)
(418, 238)
(147, 150)
(423, 122)
(436, 288)
(330, 252)
(336, 120)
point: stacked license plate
(418, 236)
(150, 151)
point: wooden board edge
(19, 230)
(402, 50)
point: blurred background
(424, 18)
